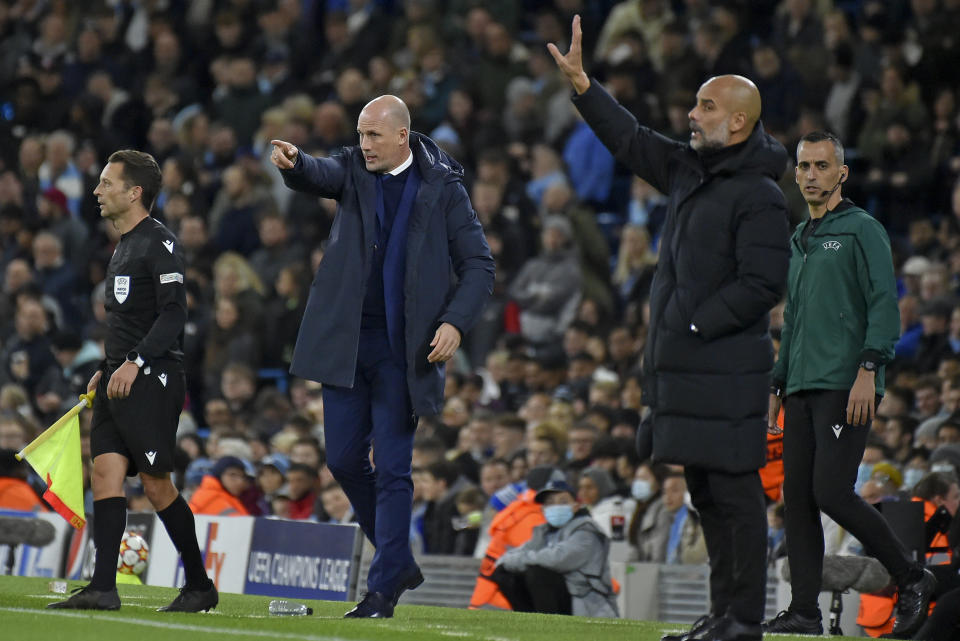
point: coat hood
(761, 154)
(434, 163)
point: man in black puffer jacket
(723, 264)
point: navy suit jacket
(449, 269)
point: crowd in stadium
(550, 375)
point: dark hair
(933, 485)
(445, 471)
(496, 461)
(580, 326)
(309, 470)
(139, 170)
(430, 444)
(908, 424)
(472, 496)
(609, 447)
(930, 381)
(824, 136)
(950, 422)
(511, 422)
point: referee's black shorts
(142, 426)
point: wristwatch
(135, 358)
(870, 366)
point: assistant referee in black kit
(140, 386)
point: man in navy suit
(385, 313)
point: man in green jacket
(839, 328)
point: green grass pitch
(23, 617)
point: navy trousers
(377, 409)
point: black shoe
(86, 598)
(790, 622)
(374, 605)
(193, 600)
(701, 625)
(912, 605)
(730, 629)
(411, 580)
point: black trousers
(821, 453)
(536, 589)
(733, 515)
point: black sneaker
(730, 629)
(409, 581)
(193, 600)
(86, 598)
(913, 602)
(701, 625)
(790, 622)
(374, 605)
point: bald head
(384, 128)
(389, 109)
(727, 109)
(740, 94)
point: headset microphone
(826, 194)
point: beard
(716, 138)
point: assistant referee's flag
(55, 455)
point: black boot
(913, 602)
(374, 605)
(86, 598)
(701, 625)
(790, 622)
(193, 600)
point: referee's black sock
(109, 521)
(178, 519)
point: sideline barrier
(305, 560)
(242, 554)
(273, 557)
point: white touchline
(174, 626)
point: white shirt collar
(402, 166)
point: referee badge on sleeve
(121, 288)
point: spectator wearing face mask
(564, 568)
(645, 490)
(670, 531)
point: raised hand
(572, 64)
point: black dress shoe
(411, 580)
(193, 600)
(374, 605)
(790, 622)
(86, 598)
(730, 629)
(913, 602)
(700, 626)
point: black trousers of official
(821, 453)
(733, 515)
(536, 589)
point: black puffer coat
(723, 264)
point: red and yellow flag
(55, 455)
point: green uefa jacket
(841, 303)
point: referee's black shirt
(146, 301)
